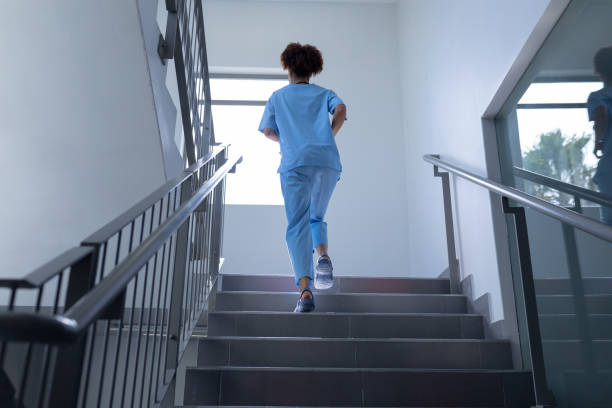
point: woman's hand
(601, 123)
(339, 118)
(271, 134)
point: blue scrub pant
(604, 182)
(306, 191)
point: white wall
(79, 142)
(453, 57)
(368, 220)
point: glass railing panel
(546, 125)
(573, 279)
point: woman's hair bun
(302, 60)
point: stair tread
(390, 314)
(317, 293)
(356, 339)
(408, 278)
(364, 369)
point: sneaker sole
(306, 310)
(320, 285)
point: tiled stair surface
(371, 342)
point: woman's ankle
(304, 283)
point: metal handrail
(584, 193)
(43, 274)
(572, 218)
(140, 282)
(57, 329)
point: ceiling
(584, 28)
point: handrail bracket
(453, 262)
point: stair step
(357, 387)
(342, 284)
(563, 286)
(587, 389)
(564, 304)
(355, 353)
(563, 355)
(566, 327)
(345, 325)
(344, 302)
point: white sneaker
(324, 273)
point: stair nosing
(356, 339)
(251, 292)
(343, 277)
(359, 369)
(406, 314)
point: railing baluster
(129, 344)
(108, 324)
(11, 305)
(147, 339)
(67, 373)
(48, 349)
(181, 256)
(120, 328)
(157, 311)
(26, 367)
(74, 375)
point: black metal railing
(569, 219)
(185, 42)
(570, 244)
(105, 324)
(122, 306)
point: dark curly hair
(302, 60)
(603, 63)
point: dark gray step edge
(566, 327)
(343, 302)
(354, 353)
(342, 284)
(564, 304)
(345, 325)
(563, 286)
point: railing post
(183, 90)
(577, 287)
(165, 46)
(543, 396)
(67, 372)
(453, 263)
(181, 259)
(217, 228)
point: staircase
(371, 342)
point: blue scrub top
(299, 114)
(603, 97)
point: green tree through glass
(562, 158)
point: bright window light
(559, 92)
(255, 181)
(244, 89)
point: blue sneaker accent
(324, 273)
(305, 305)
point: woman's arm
(271, 134)
(600, 117)
(339, 118)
